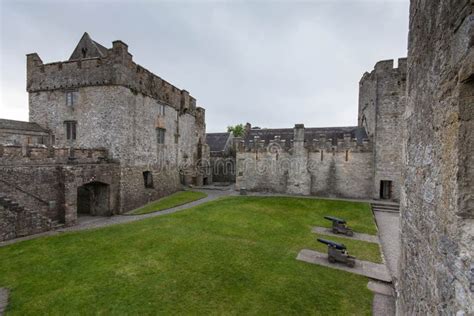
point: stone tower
(381, 107)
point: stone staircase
(17, 221)
(388, 207)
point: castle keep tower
(101, 98)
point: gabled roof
(21, 125)
(287, 134)
(87, 48)
(217, 141)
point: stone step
(381, 207)
(385, 208)
(386, 211)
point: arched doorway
(93, 199)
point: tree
(237, 130)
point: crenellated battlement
(312, 141)
(116, 67)
(41, 154)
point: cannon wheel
(335, 231)
(351, 263)
(350, 233)
(331, 259)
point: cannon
(338, 253)
(339, 226)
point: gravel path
(88, 222)
(389, 234)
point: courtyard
(232, 255)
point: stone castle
(106, 136)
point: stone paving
(369, 269)
(358, 236)
(389, 234)
(3, 300)
(88, 222)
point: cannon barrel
(332, 244)
(335, 219)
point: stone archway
(93, 199)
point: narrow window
(322, 155)
(70, 98)
(70, 130)
(347, 155)
(148, 179)
(160, 135)
(162, 110)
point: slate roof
(21, 125)
(310, 133)
(101, 48)
(94, 49)
(217, 141)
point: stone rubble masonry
(437, 198)
(315, 168)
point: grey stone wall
(44, 182)
(345, 170)
(381, 106)
(437, 202)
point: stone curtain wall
(437, 206)
(307, 169)
(381, 105)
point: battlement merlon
(385, 67)
(116, 67)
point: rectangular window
(70, 130)
(70, 98)
(162, 109)
(160, 135)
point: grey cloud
(271, 63)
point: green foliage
(237, 130)
(175, 199)
(235, 255)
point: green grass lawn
(175, 199)
(231, 256)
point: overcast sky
(271, 63)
